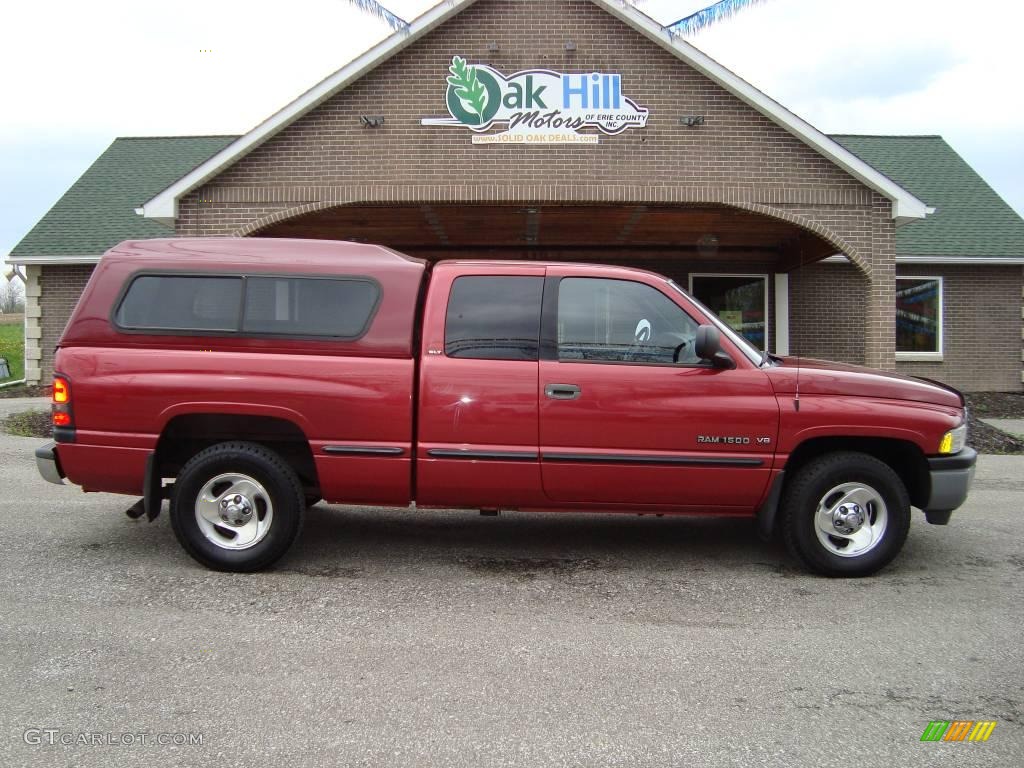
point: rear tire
(845, 514)
(237, 507)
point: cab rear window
(249, 305)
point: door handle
(562, 391)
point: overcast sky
(76, 74)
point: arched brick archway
(623, 226)
(810, 240)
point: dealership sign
(536, 106)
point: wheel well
(185, 436)
(905, 458)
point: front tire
(845, 514)
(237, 507)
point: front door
(628, 415)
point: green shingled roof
(970, 220)
(99, 210)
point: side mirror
(708, 346)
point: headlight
(954, 440)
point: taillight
(61, 390)
(60, 409)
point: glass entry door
(741, 301)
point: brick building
(582, 130)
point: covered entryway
(614, 232)
(735, 260)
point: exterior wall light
(692, 121)
(707, 245)
(371, 121)
(570, 46)
(493, 47)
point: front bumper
(951, 478)
(48, 464)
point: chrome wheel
(851, 519)
(234, 511)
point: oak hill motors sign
(537, 106)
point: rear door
(628, 415)
(477, 423)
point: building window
(494, 318)
(919, 318)
(740, 301)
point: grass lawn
(12, 346)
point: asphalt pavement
(1013, 426)
(12, 405)
(399, 638)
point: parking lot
(427, 638)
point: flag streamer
(695, 22)
(374, 8)
(688, 25)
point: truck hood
(821, 377)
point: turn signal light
(954, 440)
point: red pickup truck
(244, 379)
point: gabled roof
(971, 220)
(98, 211)
(905, 206)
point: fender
(238, 409)
(857, 430)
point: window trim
(540, 317)
(925, 357)
(763, 276)
(238, 333)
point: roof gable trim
(164, 207)
(905, 206)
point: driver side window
(620, 321)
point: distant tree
(12, 297)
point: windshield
(757, 357)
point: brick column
(33, 326)
(880, 317)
